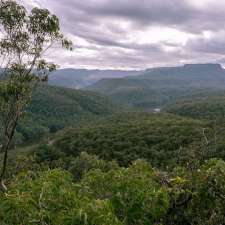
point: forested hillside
(139, 147)
(53, 108)
(160, 86)
(94, 174)
(122, 168)
(105, 165)
(211, 108)
(164, 140)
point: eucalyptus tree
(25, 37)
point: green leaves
(25, 37)
(118, 197)
(137, 195)
(197, 196)
(12, 15)
(41, 21)
(163, 140)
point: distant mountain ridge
(146, 89)
(187, 69)
(79, 78)
(157, 86)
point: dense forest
(163, 140)
(53, 108)
(113, 167)
(158, 87)
(128, 168)
(104, 155)
(211, 108)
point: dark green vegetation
(212, 108)
(93, 175)
(54, 108)
(164, 140)
(157, 87)
(114, 168)
(25, 36)
(117, 168)
(129, 168)
(88, 191)
(127, 137)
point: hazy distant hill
(158, 86)
(78, 78)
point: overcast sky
(137, 34)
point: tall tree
(25, 36)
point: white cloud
(138, 33)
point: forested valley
(144, 147)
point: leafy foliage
(92, 174)
(25, 37)
(54, 108)
(161, 139)
(138, 194)
(52, 198)
(209, 109)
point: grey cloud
(104, 41)
(208, 46)
(212, 45)
(99, 23)
(176, 13)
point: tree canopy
(25, 37)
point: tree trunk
(5, 148)
(3, 188)
(9, 133)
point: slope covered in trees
(163, 140)
(212, 108)
(159, 86)
(93, 174)
(53, 108)
(122, 169)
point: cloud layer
(133, 34)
